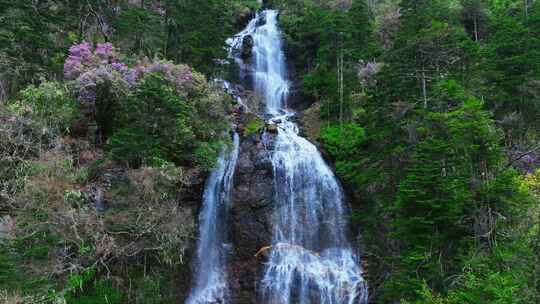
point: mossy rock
(254, 126)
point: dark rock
(251, 213)
(243, 17)
(272, 128)
(100, 200)
(297, 99)
(261, 21)
(247, 47)
(309, 122)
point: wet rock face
(251, 212)
(247, 47)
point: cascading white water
(210, 264)
(311, 260)
(269, 67)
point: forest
(114, 114)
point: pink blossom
(134, 75)
(367, 72)
(90, 68)
(81, 51)
(104, 49)
(79, 55)
(72, 68)
(120, 67)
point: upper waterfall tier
(268, 59)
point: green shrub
(148, 291)
(254, 126)
(8, 270)
(15, 277)
(206, 154)
(157, 287)
(160, 123)
(51, 105)
(133, 146)
(153, 123)
(343, 142)
(101, 292)
(84, 288)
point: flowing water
(311, 260)
(212, 247)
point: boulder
(243, 16)
(272, 128)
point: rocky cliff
(251, 215)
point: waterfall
(268, 65)
(270, 69)
(311, 260)
(210, 263)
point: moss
(254, 126)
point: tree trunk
(475, 29)
(341, 88)
(424, 88)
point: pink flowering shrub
(104, 50)
(180, 76)
(82, 58)
(92, 68)
(79, 55)
(109, 90)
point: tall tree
(197, 31)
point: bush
(154, 123)
(206, 154)
(255, 126)
(9, 274)
(133, 147)
(151, 110)
(51, 105)
(159, 123)
(84, 288)
(343, 142)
